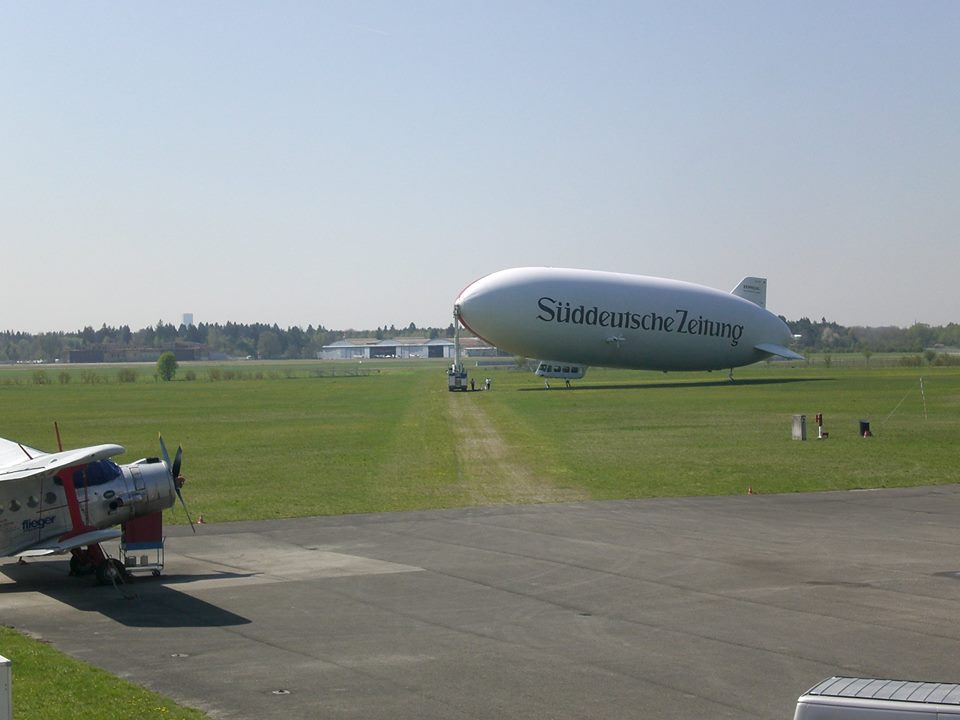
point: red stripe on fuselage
(73, 504)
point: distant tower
(188, 319)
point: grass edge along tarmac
(49, 685)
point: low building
(372, 349)
(405, 348)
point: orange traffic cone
(200, 520)
(750, 490)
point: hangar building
(406, 348)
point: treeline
(234, 340)
(260, 340)
(825, 336)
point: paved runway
(724, 607)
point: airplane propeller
(174, 470)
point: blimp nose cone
(466, 300)
(470, 305)
(462, 303)
(489, 305)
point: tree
(167, 365)
(268, 345)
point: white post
(456, 339)
(6, 690)
(923, 396)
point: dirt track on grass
(488, 468)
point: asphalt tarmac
(721, 607)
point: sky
(356, 164)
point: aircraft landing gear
(85, 560)
(80, 565)
(112, 572)
(92, 559)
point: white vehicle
(606, 319)
(456, 378)
(847, 698)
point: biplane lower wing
(58, 547)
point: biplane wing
(55, 547)
(12, 452)
(18, 461)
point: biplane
(72, 500)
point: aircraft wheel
(79, 567)
(111, 572)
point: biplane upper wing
(12, 452)
(18, 461)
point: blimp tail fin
(779, 351)
(753, 289)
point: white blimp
(570, 319)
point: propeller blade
(174, 470)
(164, 454)
(176, 463)
(186, 512)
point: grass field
(294, 439)
(702, 435)
(310, 439)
